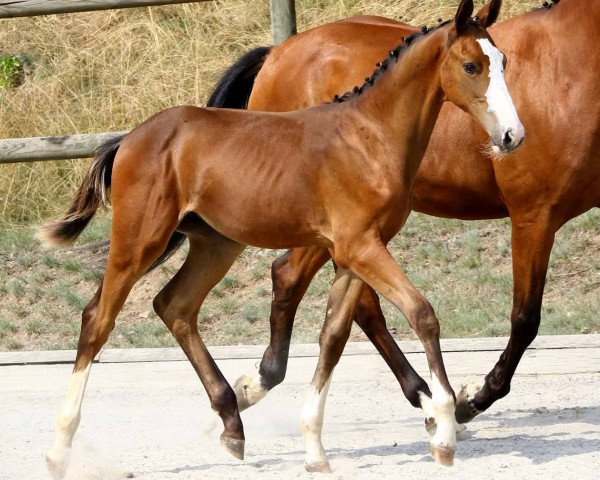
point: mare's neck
(407, 99)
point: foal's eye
(469, 68)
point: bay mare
(554, 78)
(336, 176)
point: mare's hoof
(239, 388)
(234, 446)
(431, 426)
(442, 455)
(248, 391)
(318, 467)
(57, 461)
(465, 409)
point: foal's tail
(235, 86)
(92, 194)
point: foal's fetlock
(248, 391)
(57, 461)
(465, 409)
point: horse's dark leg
(370, 319)
(531, 247)
(343, 297)
(178, 303)
(291, 274)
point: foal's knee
(421, 315)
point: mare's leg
(178, 303)
(134, 246)
(370, 319)
(372, 262)
(291, 274)
(531, 247)
(343, 297)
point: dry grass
(110, 70)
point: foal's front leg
(343, 297)
(372, 262)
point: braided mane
(396, 53)
(385, 64)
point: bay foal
(336, 176)
(550, 180)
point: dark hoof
(465, 409)
(318, 467)
(442, 455)
(234, 446)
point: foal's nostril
(508, 137)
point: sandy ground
(152, 421)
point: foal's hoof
(234, 446)
(248, 391)
(57, 461)
(318, 467)
(465, 409)
(442, 455)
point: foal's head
(472, 76)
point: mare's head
(472, 76)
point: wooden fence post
(283, 20)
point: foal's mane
(394, 56)
(547, 5)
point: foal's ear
(489, 13)
(463, 16)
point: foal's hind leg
(210, 257)
(128, 259)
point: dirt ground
(152, 421)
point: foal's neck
(407, 99)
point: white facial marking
(443, 407)
(499, 101)
(312, 424)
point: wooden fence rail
(32, 8)
(15, 150)
(34, 149)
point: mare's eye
(469, 68)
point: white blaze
(499, 101)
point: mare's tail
(235, 86)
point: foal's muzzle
(510, 139)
